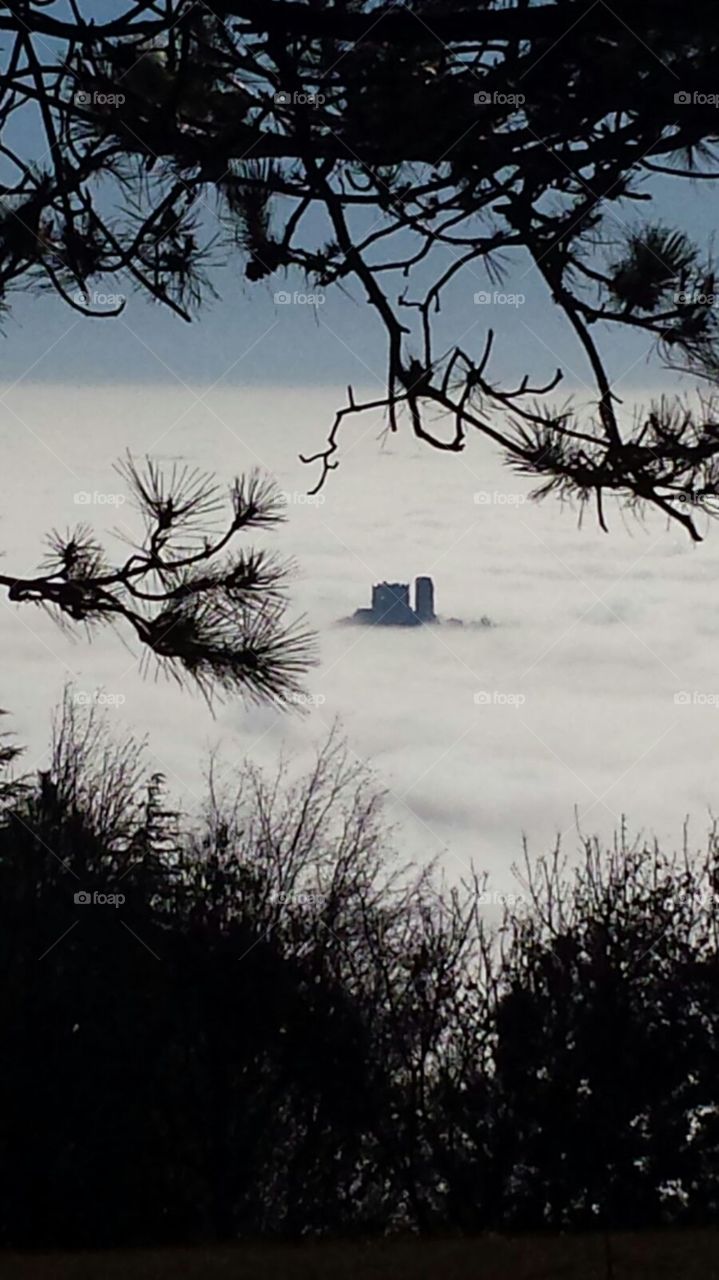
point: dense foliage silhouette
(395, 151)
(283, 1031)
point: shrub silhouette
(284, 1031)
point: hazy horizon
(597, 633)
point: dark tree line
(282, 1031)
(394, 149)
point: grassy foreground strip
(675, 1254)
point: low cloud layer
(595, 693)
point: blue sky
(246, 338)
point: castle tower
(390, 604)
(424, 599)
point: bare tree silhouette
(474, 136)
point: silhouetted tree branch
(206, 613)
(477, 136)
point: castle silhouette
(391, 605)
